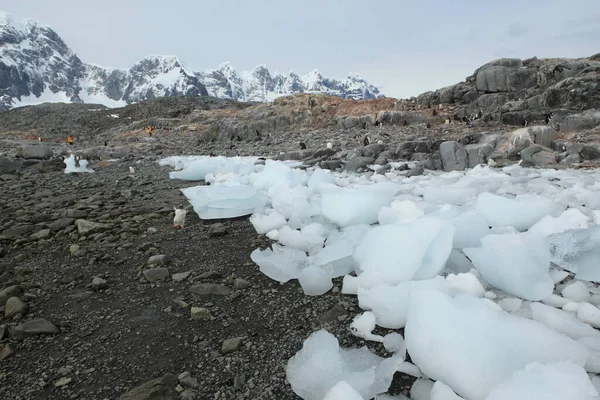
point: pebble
(182, 276)
(64, 381)
(99, 283)
(231, 345)
(199, 313)
(156, 274)
(159, 259)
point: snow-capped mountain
(37, 66)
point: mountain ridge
(37, 66)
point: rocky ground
(99, 294)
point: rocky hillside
(515, 91)
(37, 66)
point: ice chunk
(395, 253)
(421, 389)
(589, 314)
(394, 343)
(572, 306)
(348, 207)
(469, 341)
(578, 251)
(441, 391)
(470, 227)
(276, 173)
(321, 364)
(281, 263)
(363, 325)
(593, 361)
(197, 168)
(342, 391)
(454, 195)
(520, 213)
(299, 240)
(338, 255)
(555, 301)
(318, 177)
(458, 263)
(265, 223)
(558, 275)
(466, 283)
(224, 201)
(576, 291)
(400, 212)
(390, 303)
(516, 263)
(315, 281)
(71, 167)
(539, 381)
(569, 219)
(510, 304)
(562, 321)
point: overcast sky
(403, 47)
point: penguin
(405, 123)
(302, 146)
(380, 141)
(434, 112)
(364, 125)
(428, 125)
(179, 219)
(330, 145)
(367, 141)
(131, 170)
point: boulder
(372, 150)
(478, 153)
(453, 156)
(35, 151)
(358, 164)
(537, 156)
(84, 227)
(543, 135)
(8, 165)
(33, 327)
(157, 389)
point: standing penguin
(179, 219)
(367, 141)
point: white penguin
(131, 170)
(179, 220)
(330, 145)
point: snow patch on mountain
(36, 66)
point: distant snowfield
(476, 266)
(61, 97)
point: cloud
(516, 30)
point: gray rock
(156, 274)
(61, 223)
(33, 327)
(239, 380)
(99, 283)
(358, 164)
(35, 151)
(41, 235)
(231, 345)
(85, 227)
(16, 231)
(543, 135)
(372, 150)
(11, 291)
(331, 164)
(208, 289)
(3, 331)
(157, 389)
(240, 284)
(334, 313)
(416, 171)
(8, 166)
(217, 229)
(189, 382)
(453, 156)
(73, 213)
(182, 276)
(200, 313)
(590, 152)
(6, 352)
(14, 306)
(478, 153)
(159, 259)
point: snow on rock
(553, 381)
(470, 342)
(71, 165)
(321, 364)
(519, 264)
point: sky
(403, 47)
